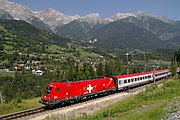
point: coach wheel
(62, 103)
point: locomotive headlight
(55, 97)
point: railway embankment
(82, 109)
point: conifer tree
(107, 69)
(100, 70)
(92, 72)
(174, 66)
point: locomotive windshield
(48, 90)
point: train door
(116, 83)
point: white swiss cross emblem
(89, 88)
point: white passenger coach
(132, 80)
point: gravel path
(174, 116)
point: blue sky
(106, 8)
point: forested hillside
(19, 35)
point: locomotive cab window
(48, 90)
(119, 82)
(57, 89)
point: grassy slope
(153, 104)
(6, 73)
(60, 51)
(16, 105)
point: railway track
(23, 113)
(29, 112)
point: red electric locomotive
(59, 92)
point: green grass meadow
(19, 105)
(7, 73)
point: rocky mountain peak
(93, 19)
(18, 11)
(119, 16)
(54, 18)
(51, 11)
(22, 12)
(161, 18)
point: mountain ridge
(22, 12)
(127, 35)
(89, 28)
(60, 17)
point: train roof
(139, 74)
(55, 84)
(132, 75)
(64, 83)
(88, 80)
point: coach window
(138, 78)
(132, 80)
(135, 79)
(125, 81)
(129, 80)
(146, 77)
(119, 82)
(57, 89)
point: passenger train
(65, 92)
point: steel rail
(22, 113)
